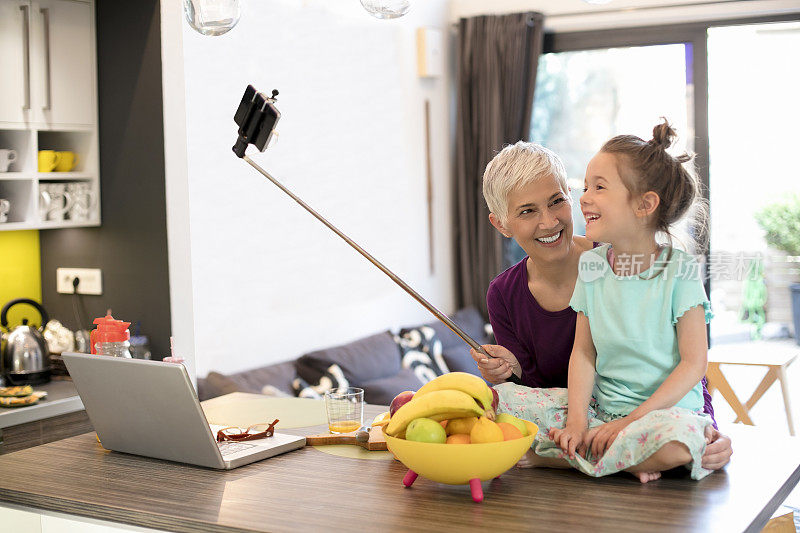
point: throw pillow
(215, 384)
(321, 379)
(421, 352)
(275, 392)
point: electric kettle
(25, 358)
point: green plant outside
(781, 222)
(754, 298)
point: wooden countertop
(309, 490)
(62, 398)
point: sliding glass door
(730, 88)
(585, 97)
(754, 113)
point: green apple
(514, 421)
(426, 430)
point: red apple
(400, 400)
(495, 399)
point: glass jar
(114, 349)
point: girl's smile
(606, 204)
(590, 217)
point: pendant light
(212, 17)
(386, 9)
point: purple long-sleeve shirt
(540, 339)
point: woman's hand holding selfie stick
(500, 366)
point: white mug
(5, 207)
(83, 201)
(44, 202)
(54, 201)
(6, 158)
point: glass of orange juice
(345, 409)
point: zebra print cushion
(421, 351)
(321, 380)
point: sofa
(383, 364)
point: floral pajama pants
(547, 408)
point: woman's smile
(552, 240)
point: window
(753, 114)
(730, 89)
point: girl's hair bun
(663, 135)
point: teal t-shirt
(633, 323)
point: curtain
(497, 61)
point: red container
(109, 329)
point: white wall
(270, 282)
(177, 182)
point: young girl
(634, 400)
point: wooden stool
(775, 355)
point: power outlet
(91, 280)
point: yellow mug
(66, 161)
(48, 160)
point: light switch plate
(430, 59)
(91, 280)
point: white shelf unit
(21, 185)
(48, 101)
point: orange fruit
(458, 438)
(461, 425)
(510, 431)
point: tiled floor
(768, 414)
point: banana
(450, 415)
(439, 405)
(461, 381)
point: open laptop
(150, 408)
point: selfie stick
(257, 117)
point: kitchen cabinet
(59, 416)
(47, 63)
(64, 94)
(14, 61)
(48, 101)
(39, 432)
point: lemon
(381, 420)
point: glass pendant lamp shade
(212, 17)
(386, 9)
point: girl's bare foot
(672, 454)
(528, 460)
(644, 477)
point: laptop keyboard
(228, 447)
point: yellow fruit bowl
(460, 464)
